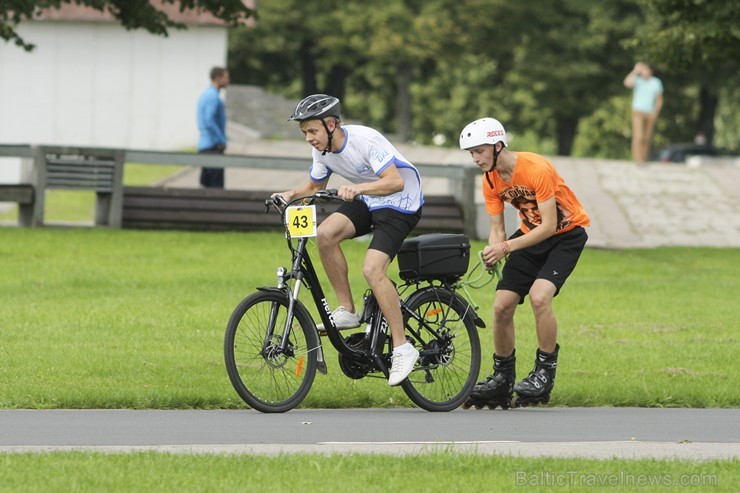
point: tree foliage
(550, 71)
(698, 42)
(539, 69)
(566, 61)
(132, 14)
(681, 33)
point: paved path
(689, 434)
(630, 206)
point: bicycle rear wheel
(447, 339)
(270, 376)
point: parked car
(678, 153)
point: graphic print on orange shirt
(534, 180)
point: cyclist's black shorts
(389, 226)
(553, 259)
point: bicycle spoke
(270, 369)
(450, 351)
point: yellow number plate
(301, 221)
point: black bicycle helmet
(316, 107)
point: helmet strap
(495, 156)
(488, 179)
(495, 160)
(330, 134)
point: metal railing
(101, 170)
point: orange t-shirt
(535, 180)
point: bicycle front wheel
(447, 338)
(271, 364)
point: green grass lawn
(97, 318)
(100, 318)
(431, 472)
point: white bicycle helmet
(482, 131)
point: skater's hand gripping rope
(477, 279)
(494, 270)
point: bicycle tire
(267, 380)
(443, 382)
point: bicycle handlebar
(279, 202)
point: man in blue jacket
(212, 126)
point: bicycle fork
(292, 299)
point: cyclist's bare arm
(309, 188)
(390, 182)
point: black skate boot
(536, 388)
(496, 389)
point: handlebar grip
(327, 193)
(276, 200)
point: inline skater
(541, 254)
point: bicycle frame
(271, 333)
(303, 272)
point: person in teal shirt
(647, 100)
(212, 126)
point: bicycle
(272, 348)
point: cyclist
(542, 253)
(384, 196)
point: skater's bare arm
(497, 235)
(549, 214)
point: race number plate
(301, 221)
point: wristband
(505, 247)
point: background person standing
(212, 126)
(647, 100)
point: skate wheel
(479, 406)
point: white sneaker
(402, 362)
(343, 319)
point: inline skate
(536, 387)
(496, 390)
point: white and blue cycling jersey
(364, 155)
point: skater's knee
(503, 310)
(540, 302)
(541, 295)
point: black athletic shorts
(553, 259)
(389, 226)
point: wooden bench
(23, 195)
(240, 210)
(99, 170)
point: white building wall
(96, 84)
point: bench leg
(25, 215)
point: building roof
(74, 12)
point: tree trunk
(337, 81)
(708, 100)
(566, 134)
(404, 76)
(308, 69)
